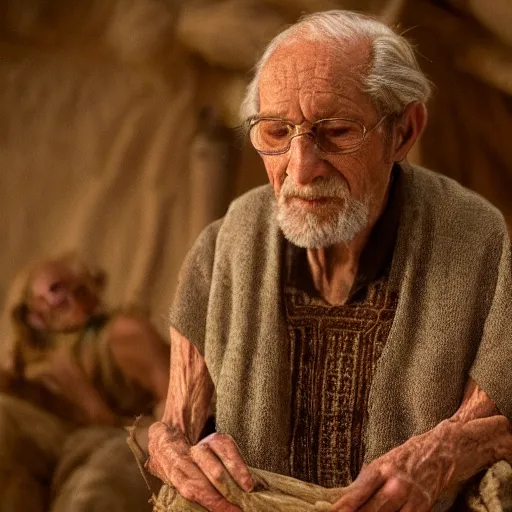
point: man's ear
(408, 129)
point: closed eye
(335, 132)
(278, 133)
(57, 286)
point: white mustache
(332, 187)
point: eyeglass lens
(330, 135)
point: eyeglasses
(273, 136)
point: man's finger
(369, 481)
(227, 450)
(390, 497)
(193, 485)
(417, 502)
(213, 468)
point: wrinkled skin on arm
(413, 476)
(197, 469)
(409, 478)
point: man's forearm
(415, 474)
(190, 389)
(489, 439)
(186, 410)
(484, 435)
(476, 403)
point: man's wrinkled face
(323, 199)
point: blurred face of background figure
(323, 199)
(63, 295)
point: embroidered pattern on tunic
(334, 353)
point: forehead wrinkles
(277, 80)
(330, 75)
(300, 76)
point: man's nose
(305, 163)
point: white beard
(337, 222)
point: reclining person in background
(72, 375)
(354, 318)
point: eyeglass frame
(253, 121)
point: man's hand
(413, 476)
(198, 470)
(409, 478)
(199, 473)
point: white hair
(326, 224)
(394, 78)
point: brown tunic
(334, 353)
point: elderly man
(353, 319)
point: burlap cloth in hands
(492, 492)
(272, 492)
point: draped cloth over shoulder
(452, 269)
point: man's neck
(334, 269)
